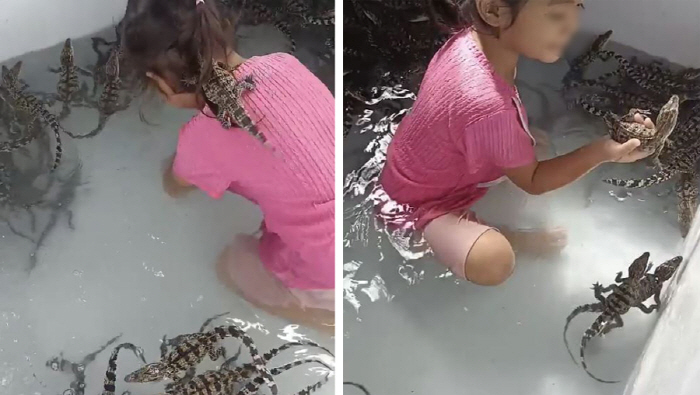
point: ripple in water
(364, 225)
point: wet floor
(107, 252)
(432, 333)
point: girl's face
(542, 28)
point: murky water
(105, 252)
(433, 333)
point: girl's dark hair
(177, 40)
(454, 15)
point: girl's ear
(493, 12)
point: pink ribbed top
(293, 183)
(466, 126)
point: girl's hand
(628, 152)
(179, 100)
(174, 186)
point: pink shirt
(293, 183)
(466, 127)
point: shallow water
(432, 333)
(118, 256)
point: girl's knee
(491, 260)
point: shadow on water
(94, 249)
(432, 332)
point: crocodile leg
(618, 278)
(615, 323)
(598, 291)
(164, 346)
(649, 309)
(215, 353)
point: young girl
(289, 269)
(468, 131)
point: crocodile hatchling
(648, 77)
(681, 160)
(625, 128)
(32, 130)
(627, 293)
(636, 271)
(111, 374)
(26, 103)
(68, 86)
(225, 92)
(255, 12)
(192, 350)
(652, 77)
(223, 381)
(109, 102)
(579, 64)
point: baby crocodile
(28, 104)
(649, 78)
(108, 103)
(111, 374)
(68, 83)
(581, 62)
(223, 381)
(681, 160)
(225, 92)
(625, 128)
(192, 350)
(623, 297)
(636, 271)
(32, 129)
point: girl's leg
(472, 251)
(241, 270)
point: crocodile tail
(111, 374)
(299, 362)
(258, 361)
(587, 308)
(595, 329)
(592, 332)
(65, 111)
(57, 129)
(314, 387)
(252, 387)
(275, 351)
(662, 176)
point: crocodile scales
(625, 128)
(627, 293)
(32, 130)
(226, 93)
(68, 85)
(223, 381)
(109, 100)
(652, 77)
(24, 102)
(111, 374)
(193, 349)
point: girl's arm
(172, 184)
(542, 177)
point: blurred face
(542, 28)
